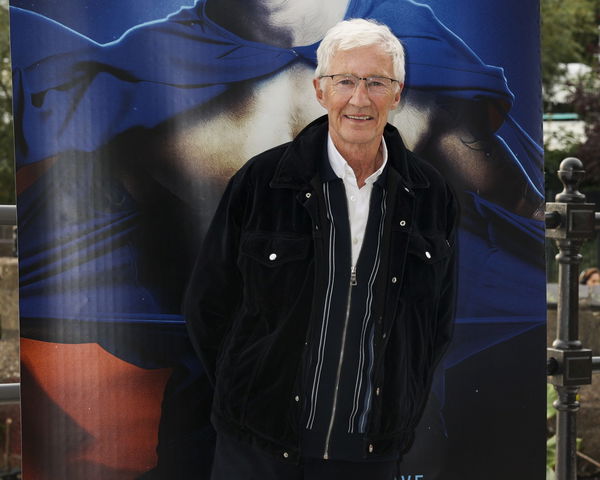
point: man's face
(359, 117)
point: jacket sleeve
(214, 292)
(447, 302)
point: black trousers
(236, 460)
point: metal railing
(8, 215)
(570, 221)
(10, 393)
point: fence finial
(571, 174)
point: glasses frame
(366, 79)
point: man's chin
(360, 137)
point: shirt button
(297, 398)
(384, 335)
(286, 455)
(402, 223)
(371, 448)
(308, 195)
(273, 256)
(407, 189)
(377, 391)
(394, 279)
(428, 255)
(353, 198)
(355, 240)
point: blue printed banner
(131, 116)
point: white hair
(359, 32)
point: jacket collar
(300, 161)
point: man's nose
(360, 97)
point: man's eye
(376, 83)
(346, 82)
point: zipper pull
(353, 276)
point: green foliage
(551, 397)
(569, 34)
(586, 102)
(7, 184)
(550, 457)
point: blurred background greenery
(7, 182)
(571, 93)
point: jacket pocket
(243, 360)
(272, 250)
(275, 267)
(278, 270)
(426, 264)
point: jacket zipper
(353, 283)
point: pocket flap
(272, 250)
(429, 248)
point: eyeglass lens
(347, 84)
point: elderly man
(323, 297)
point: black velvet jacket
(251, 298)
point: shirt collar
(341, 168)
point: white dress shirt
(358, 199)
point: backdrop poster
(131, 116)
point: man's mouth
(359, 117)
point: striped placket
(340, 388)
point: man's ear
(318, 91)
(397, 95)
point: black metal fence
(570, 221)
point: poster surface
(131, 116)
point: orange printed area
(28, 174)
(87, 414)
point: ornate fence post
(570, 221)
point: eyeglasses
(346, 84)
